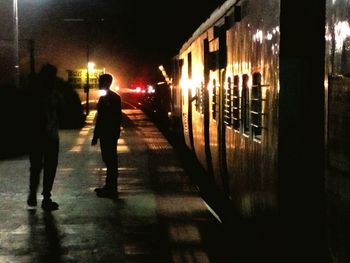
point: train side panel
(216, 38)
(251, 106)
(198, 83)
(201, 83)
(337, 92)
(266, 107)
(176, 99)
(186, 88)
(196, 108)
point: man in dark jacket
(44, 138)
(107, 130)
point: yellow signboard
(78, 78)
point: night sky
(129, 38)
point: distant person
(44, 138)
(107, 130)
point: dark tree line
(15, 106)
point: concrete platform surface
(160, 217)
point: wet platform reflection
(160, 216)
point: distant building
(78, 78)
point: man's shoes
(31, 201)
(106, 193)
(49, 205)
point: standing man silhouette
(44, 137)
(107, 130)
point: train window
(236, 104)
(214, 60)
(214, 100)
(245, 114)
(189, 68)
(256, 107)
(177, 67)
(345, 58)
(214, 55)
(200, 98)
(197, 99)
(227, 102)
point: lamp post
(30, 46)
(88, 35)
(15, 42)
(90, 67)
(165, 75)
(87, 88)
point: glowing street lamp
(91, 66)
(165, 75)
(15, 42)
(16, 47)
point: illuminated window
(214, 100)
(345, 58)
(236, 104)
(245, 118)
(256, 107)
(189, 69)
(197, 103)
(227, 102)
(200, 98)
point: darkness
(148, 33)
(130, 38)
(151, 29)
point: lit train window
(214, 99)
(256, 107)
(236, 104)
(227, 102)
(189, 69)
(245, 116)
(201, 98)
(345, 58)
(189, 76)
(181, 65)
(197, 103)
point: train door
(187, 99)
(217, 64)
(221, 126)
(190, 99)
(176, 98)
(206, 107)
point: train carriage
(337, 123)
(265, 110)
(229, 84)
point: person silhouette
(107, 130)
(44, 137)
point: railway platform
(159, 216)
